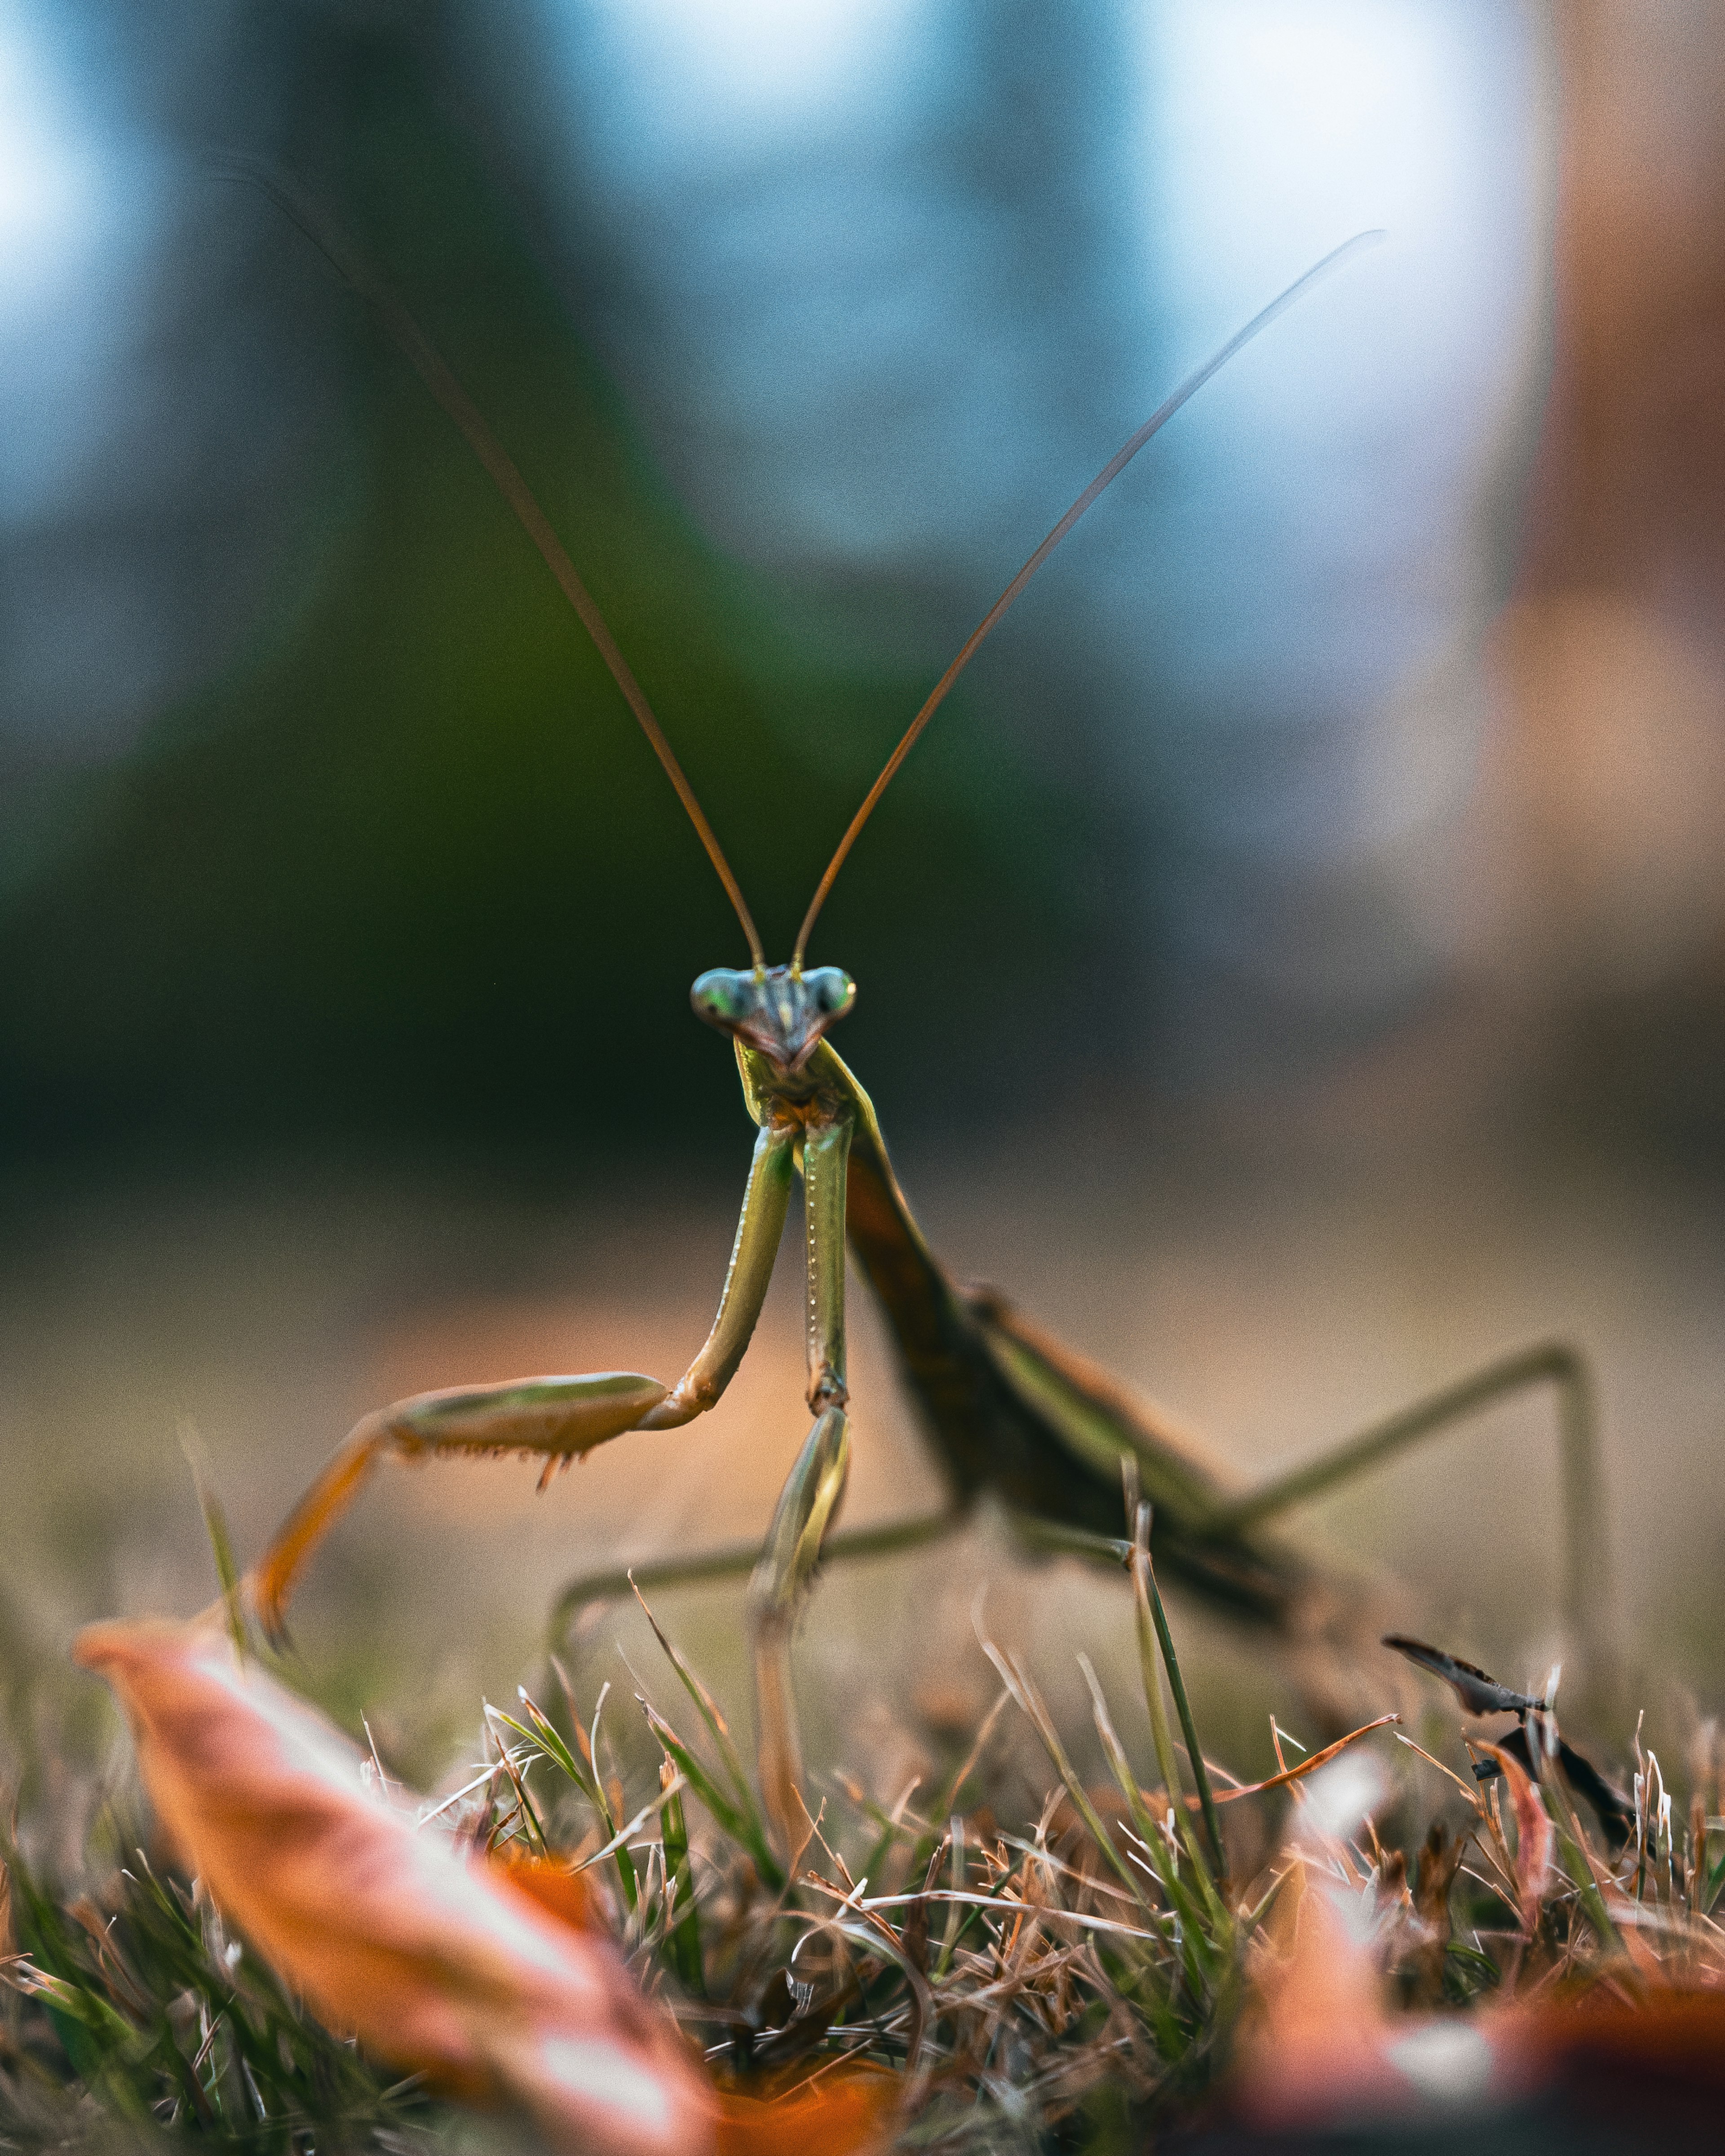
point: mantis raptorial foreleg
(782, 1574)
(557, 1418)
(759, 1227)
(814, 1490)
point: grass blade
(684, 1936)
(708, 1709)
(1150, 1670)
(215, 1526)
(1144, 1584)
(1018, 1684)
(1200, 1952)
(745, 1827)
(549, 1739)
(546, 1742)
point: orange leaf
(549, 1883)
(1536, 1838)
(1309, 1765)
(844, 2110)
(1323, 2050)
(434, 1963)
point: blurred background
(1294, 966)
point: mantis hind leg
(1586, 1589)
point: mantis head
(780, 1010)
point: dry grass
(1059, 1980)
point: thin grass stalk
(544, 1739)
(1144, 1585)
(892, 1830)
(221, 1543)
(753, 1832)
(536, 1835)
(1572, 1842)
(1149, 1668)
(610, 1814)
(957, 1916)
(946, 1807)
(1030, 1700)
(683, 1936)
(744, 1827)
(549, 1739)
(707, 1707)
(653, 1809)
(1191, 1918)
(1149, 1832)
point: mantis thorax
(781, 1011)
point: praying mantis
(1011, 1412)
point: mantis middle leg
(1066, 1397)
(738, 1560)
(556, 1418)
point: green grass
(132, 2012)
(1052, 1981)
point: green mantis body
(1010, 1413)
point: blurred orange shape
(1536, 1838)
(1658, 2062)
(844, 2110)
(437, 1964)
(1322, 2049)
(550, 1884)
(836, 2110)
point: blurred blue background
(810, 322)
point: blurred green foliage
(409, 870)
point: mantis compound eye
(831, 991)
(725, 997)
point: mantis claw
(555, 1417)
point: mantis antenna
(1104, 479)
(428, 362)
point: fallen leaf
(843, 2110)
(1536, 1837)
(1321, 2050)
(433, 1962)
(551, 1884)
